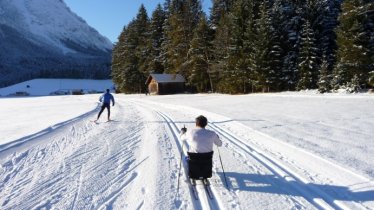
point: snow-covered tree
(142, 43)
(260, 57)
(130, 53)
(324, 77)
(200, 58)
(355, 43)
(156, 30)
(182, 19)
(354, 85)
(222, 45)
(308, 67)
(326, 24)
(219, 9)
(287, 23)
(371, 78)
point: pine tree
(266, 45)
(219, 9)
(142, 45)
(371, 78)
(117, 61)
(261, 54)
(129, 55)
(222, 45)
(177, 44)
(248, 47)
(166, 42)
(183, 17)
(200, 56)
(277, 51)
(368, 16)
(232, 33)
(308, 67)
(156, 30)
(132, 78)
(244, 13)
(286, 19)
(354, 85)
(193, 13)
(167, 5)
(355, 43)
(326, 24)
(324, 78)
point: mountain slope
(45, 39)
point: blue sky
(109, 17)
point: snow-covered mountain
(45, 37)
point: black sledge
(200, 165)
(200, 168)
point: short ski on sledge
(207, 188)
(193, 188)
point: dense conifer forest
(246, 46)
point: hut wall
(170, 88)
(153, 87)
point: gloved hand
(183, 130)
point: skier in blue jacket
(105, 99)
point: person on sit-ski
(200, 149)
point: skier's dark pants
(105, 105)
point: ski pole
(180, 166)
(224, 175)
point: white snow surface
(281, 151)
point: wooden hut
(161, 84)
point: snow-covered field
(43, 87)
(281, 151)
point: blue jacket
(106, 98)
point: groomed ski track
(133, 162)
(302, 179)
(203, 200)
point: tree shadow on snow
(278, 185)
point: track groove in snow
(77, 164)
(133, 161)
(322, 196)
(288, 176)
(204, 201)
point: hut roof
(165, 78)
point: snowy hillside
(44, 37)
(280, 151)
(51, 22)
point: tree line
(249, 46)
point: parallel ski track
(203, 196)
(312, 194)
(78, 166)
(315, 196)
(204, 202)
